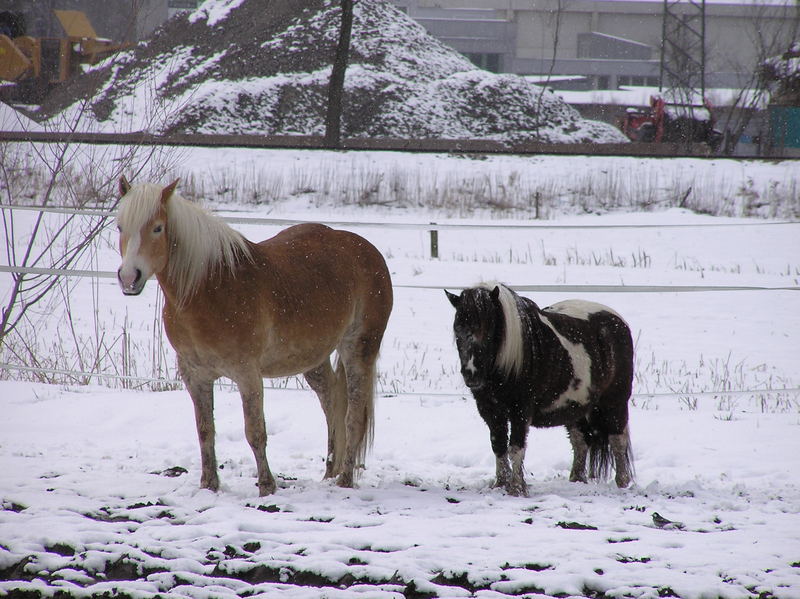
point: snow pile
(233, 66)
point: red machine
(667, 122)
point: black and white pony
(567, 365)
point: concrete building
(606, 43)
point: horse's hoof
(623, 482)
(267, 488)
(345, 480)
(211, 485)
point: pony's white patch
(200, 243)
(470, 365)
(581, 309)
(578, 390)
(512, 351)
(517, 455)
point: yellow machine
(45, 61)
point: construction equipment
(672, 122)
(35, 64)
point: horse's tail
(339, 418)
(601, 452)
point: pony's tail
(600, 458)
(339, 418)
(601, 452)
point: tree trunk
(333, 116)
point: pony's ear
(167, 192)
(124, 186)
(454, 299)
(495, 293)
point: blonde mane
(200, 243)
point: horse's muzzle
(131, 285)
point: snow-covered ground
(87, 507)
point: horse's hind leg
(359, 364)
(580, 449)
(251, 388)
(323, 381)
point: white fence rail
(432, 227)
(141, 381)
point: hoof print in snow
(61, 549)
(271, 508)
(173, 472)
(11, 506)
(575, 526)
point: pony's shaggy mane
(511, 355)
(201, 244)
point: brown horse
(247, 310)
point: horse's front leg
(201, 390)
(516, 452)
(498, 437)
(251, 388)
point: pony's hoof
(517, 490)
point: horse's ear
(454, 299)
(167, 192)
(124, 186)
(495, 293)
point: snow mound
(232, 67)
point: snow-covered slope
(233, 67)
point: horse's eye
(158, 228)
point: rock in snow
(240, 66)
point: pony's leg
(516, 452)
(201, 390)
(502, 476)
(251, 388)
(580, 449)
(498, 438)
(322, 380)
(621, 451)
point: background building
(607, 43)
